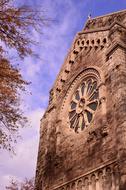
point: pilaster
(116, 55)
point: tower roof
(106, 20)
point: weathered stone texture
(95, 158)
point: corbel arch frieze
(105, 177)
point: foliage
(16, 27)
(28, 184)
(11, 117)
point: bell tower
(83, 131)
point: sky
(69, 17)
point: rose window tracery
(83, 104)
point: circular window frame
(84, 103)
(86, 73)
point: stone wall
(102, 178)
(92, 159)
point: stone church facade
(83, 131)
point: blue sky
(69, 18)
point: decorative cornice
(110, 14)
(105, 20)
(102, 28)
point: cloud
(42, 72)
(24, 163)
(52, 49)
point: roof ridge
(109, 14)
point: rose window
(83, 104)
